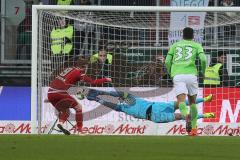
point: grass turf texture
(58, 147)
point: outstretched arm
(124, 96)
(94, 92)
(108, 104)
(203, 62)
(202, 58)
(168, 61)
(89, 80)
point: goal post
(138, 39)
(34, 70)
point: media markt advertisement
(137, 128)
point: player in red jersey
(58, 94)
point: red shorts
(62, 98)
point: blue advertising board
(15, 103)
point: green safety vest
(94, 58)
(212, 75)
(64, 2)
(57, 36)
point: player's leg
(78, 109)
(64, 105)
(59, 100)
(63, 116)
(63, 109)
(182, 104)
(165, 117)
(78, 116)
(178, 116)
(193, 112)
(192, 85)
(200, 100)
(206, 115)
(181, 92)
(180, 85)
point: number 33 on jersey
(182, 56)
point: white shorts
(185, 84)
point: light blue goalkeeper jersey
(161, 111)
(137, 109)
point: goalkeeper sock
(199, 100)
(194, 115)
(206, 115)
(200, 116)
(208, 98)
(209, 115)
(183, 109)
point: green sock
(183, 108)
(194, 115)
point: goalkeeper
(158, 112)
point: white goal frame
(35, 8)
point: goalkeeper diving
(158, 112)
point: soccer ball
(80, 96)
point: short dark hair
(221, 53)
(188, 33)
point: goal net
(133, 45)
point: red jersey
(70, 76)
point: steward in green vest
(95, 58)
(62, 40)
(102, 62)
(64, 2)
(212, 75)
(216, 74)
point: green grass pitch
(60, 147)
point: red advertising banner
(225, 104)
